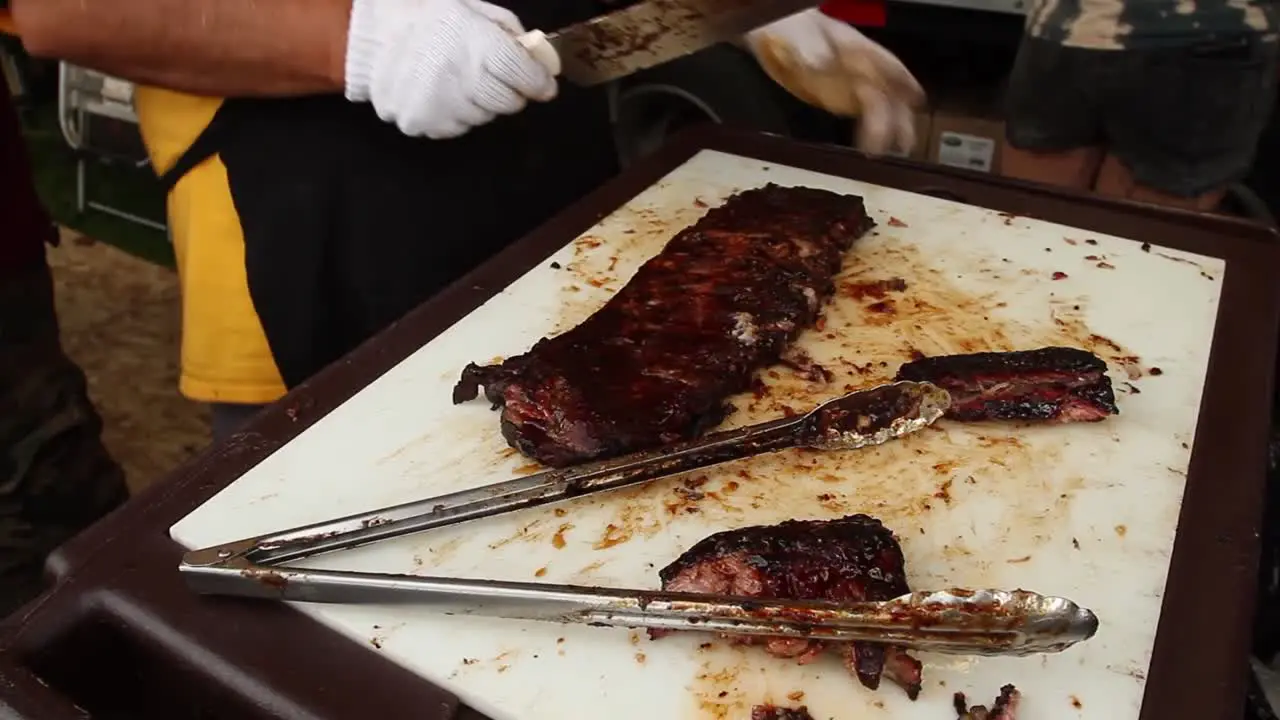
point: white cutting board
(1085, 511)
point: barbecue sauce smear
(892, 305)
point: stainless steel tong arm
(986, 622)
(499, 498)
(856, 420)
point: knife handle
(535, 41)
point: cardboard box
(970, 137)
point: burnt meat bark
(1004, 708)
(1056, 384)
(656, 364)
(851, 559)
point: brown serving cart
(118, 635)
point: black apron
(349, 224)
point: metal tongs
(985, 622)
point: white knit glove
(440, 67)
(827, 63)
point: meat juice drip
(658, 362)
(773, 712)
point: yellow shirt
(225, 357)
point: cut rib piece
(656, 364)
(1004, 708)
(1058, 384)
(855, 558)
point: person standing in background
(225, 359)
(1160, 101)
(56, 478)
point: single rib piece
(852, 559)
(1058, 384)
(1004, 708)
(773, 712)
(657, 362)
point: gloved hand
(440, 67)
(827, 63)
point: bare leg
(1115, 180)
(1075, 169)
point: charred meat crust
(773, 712)
(851, 559)
(808, 559)
(657, 363)
(1057, 384)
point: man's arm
(209, 47)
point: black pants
(1183, 120)
(56, 477)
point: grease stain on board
(891, 305)
(860, 343)
(717, 691)
(731, 679)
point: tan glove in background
(829, 64)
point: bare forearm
(211, 47)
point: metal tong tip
(874, 416)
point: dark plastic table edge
(126, 564)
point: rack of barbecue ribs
(657, 363)
(1055, 384)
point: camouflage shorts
(56, 478)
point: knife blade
(649, 34)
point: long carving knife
(649, 33)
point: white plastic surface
(1085, 511)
